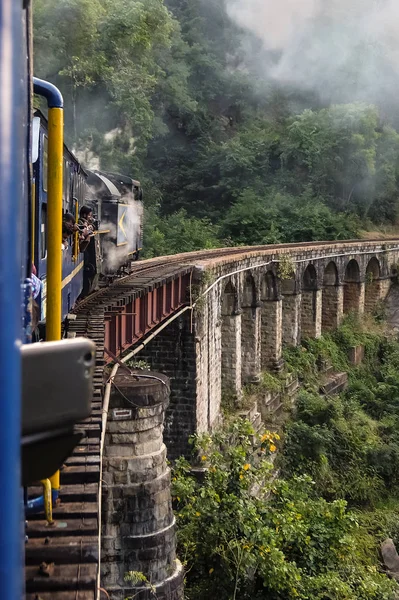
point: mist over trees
(173, 94)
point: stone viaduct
(246, 308)
(242, 308)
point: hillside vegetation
(314, 532)
(164, 92)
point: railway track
(62, 559)
(189, 259)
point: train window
(64, 183)
(66, 187)
(35, 139)
(43, 231)
(45, 162)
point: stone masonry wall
(291, 319)
(354, 294)
(271, 333)
(373, 293)
(332, 306)
(231, 354)
(250, 344)
(174, 352)
(138, 531)
(311, 313)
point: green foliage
(273, 217)
(241, 535)
(136, 578)
(348, 443)
(339, 446)
(270, 383)
(286, 267)
(334, 347)
(162, 92)
(177, 233)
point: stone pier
(138, 525)
(291, 319)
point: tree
(241, 535)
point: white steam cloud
(343, 50)
(115, 256)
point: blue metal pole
(13, 115)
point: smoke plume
(115, 256)
(342, 50)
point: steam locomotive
(116, 201)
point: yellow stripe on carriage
(69, 278)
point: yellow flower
(265, 437)
(211, 571)
(241, 476)
(203, 458)
(272, 448)
(197, 514)
(246, 467)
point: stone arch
(271, 323)
(353, 296)
(229, 300)
(230, 340)
(250, 331)
(310, 304)
(309, 279)
(331, 313)
(248, 292)
(269, 287)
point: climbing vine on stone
(286, 267)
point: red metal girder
(126, 325)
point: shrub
(241, 535)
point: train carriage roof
(112, 186)
(103, 186)
(123, 179)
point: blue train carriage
(119, 206)
(74, 194)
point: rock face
(390, 558)
(138, 531)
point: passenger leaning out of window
(69, 227)
(86, 227)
